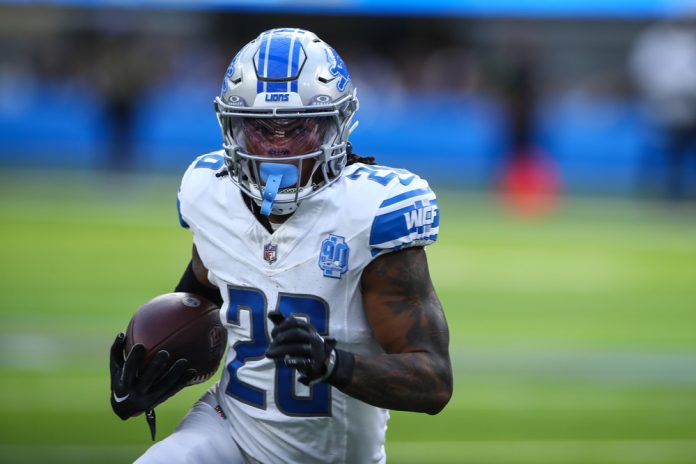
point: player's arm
(414, 373)
(406, 318)
(195, 280)
(136, 388)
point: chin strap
(275, 177)
(269, 193)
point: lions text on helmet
(286, 111)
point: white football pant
(202, 437)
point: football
(186, 325)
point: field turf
(573, 337)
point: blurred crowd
(122, 55)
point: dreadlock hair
(352, 159)
(355, 158)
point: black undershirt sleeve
(190, 284)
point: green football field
(573, 337)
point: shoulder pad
(407, 216)
(195, 180)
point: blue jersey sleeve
(408, 217)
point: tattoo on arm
(407, 319)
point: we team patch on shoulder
(333, 256)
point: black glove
(136, 388)
(301, 347)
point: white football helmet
(286, 110)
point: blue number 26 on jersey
(318, 402)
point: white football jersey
(310, 267)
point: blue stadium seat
(453, 138)
(50, 123)
(598, 145)
(174, 124)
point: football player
(316, 258)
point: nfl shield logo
(270, 253)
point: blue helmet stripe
(277, 59)
(290, 62)
(278, 63)
(296, 47)
(263, 50)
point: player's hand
(136, 388)
(301, 347)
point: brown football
(186, 325)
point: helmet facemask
(306, 148)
